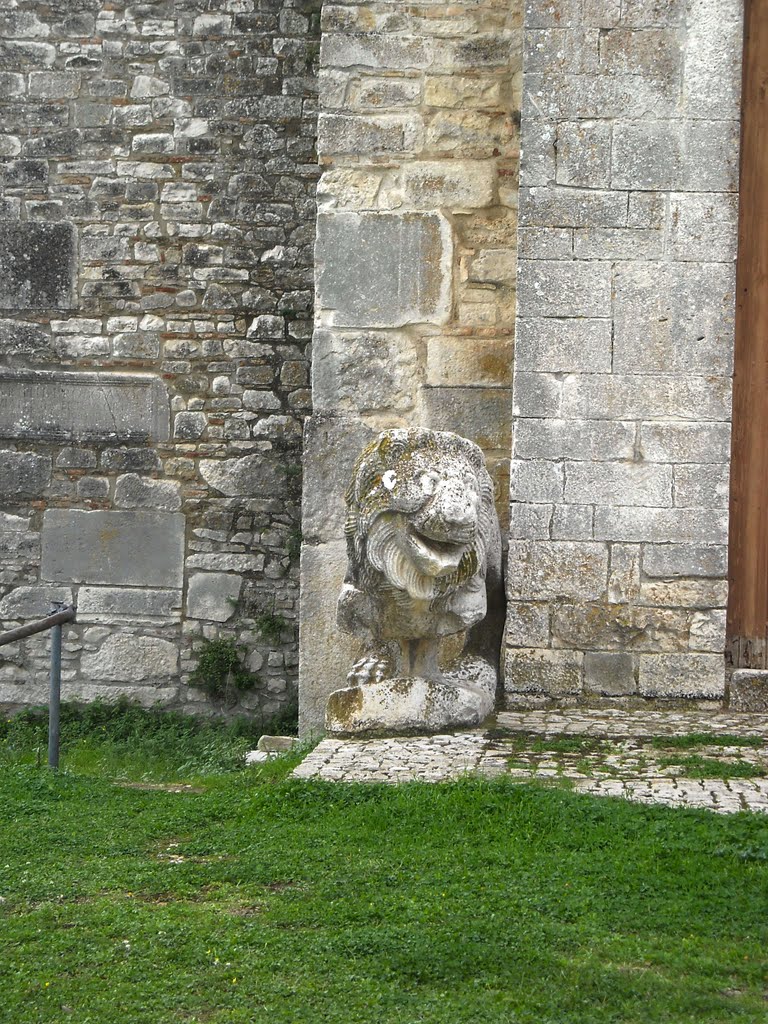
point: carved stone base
(404, 705)
(749, 690)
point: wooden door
(748, 542)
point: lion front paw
(371, 668)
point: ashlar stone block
(609, 673)
(540, 670)
(126, 657)
(23, 474)
(213, 596)
(61, 406)
(543, 570)
(682, 675)
(364, 371)
(137, 548)
(105, 604)
(38, 265)
(383, 270)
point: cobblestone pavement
(652, 757)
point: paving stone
(631, 772)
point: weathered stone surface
(686, 442)
(702, 485)
(487, 362)
(708, 631)
(133, 491)
(277, 744)
(213, 596)
(682, 675)
(563, 345)
(668, 560)
(326, 651)
(535, 670)
(482, 415)
(699, 526)
(253, 476)
(527, 624)
(586, 440)
(616, 627)
(402, 706)
(628, 483)
(455, 184)
(37, 265)
(562, 289)
(748, 690)
(23, 474)
(55, 406)
(364, 372)
(117, 548)
(105, 604)
(609, 674)
(20, 339)
(130, 658)
(331, 446)
(383, 270)
(674, 318)
(32, 602)
(537, 570)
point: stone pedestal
(408, 705)
(749, 690)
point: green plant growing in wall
(220, 671)
(293, 545)
(270, 625)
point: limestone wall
(617, 568)
(415, 263)
(157, 178)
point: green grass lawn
(248, 897)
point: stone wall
(415, 264)
(157, 179)
(617, 567)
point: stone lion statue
(424, 552)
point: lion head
(420, 519)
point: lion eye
(389, 479)
(429, 482)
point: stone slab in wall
(140, 549)
(383, 270)
(61, 406)
(38, 266)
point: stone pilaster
(622, 386)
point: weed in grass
(697, 767)
(704, 739)
(560, 744)
(296, 902)
(122, 740)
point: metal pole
(67, 614)
(54, 701)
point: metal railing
(60, 613)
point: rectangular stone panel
(139, 549)
(38, 265)
(59, 406)
(383, 270)
(95, 604)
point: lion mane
(420, 526)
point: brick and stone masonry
(157, 180)
(415, 265)
(622, 383)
